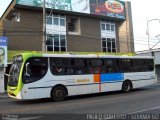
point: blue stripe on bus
(111, 77)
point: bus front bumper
(14, 93)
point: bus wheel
(58, 93)
(126, 86)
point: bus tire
(58, 93)
(127, 86)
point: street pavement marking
(144, 110)
(30, 118)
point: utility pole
(44, 27)
(148, 35)
(149, 49)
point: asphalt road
(141, 101)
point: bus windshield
(14, 72)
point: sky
(142, 11)
(3, 6)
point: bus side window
(78, 66)
(138, 65)
(56, 66)
(35, 69)
(60, 66)
(108, 63)
(127, 65)
(95, 66)
(149, 65)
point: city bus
(57, 76)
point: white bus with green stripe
(57, 76)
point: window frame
(76, 24)
(108, 25)
(51, 20)
(109, 43)
(60, 47)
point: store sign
(110, 8)
(3, 51)
(54, 4)
(81, 6)
(3, 6)
(114, 7)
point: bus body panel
(35, 91)
(75, 84)
(140, 79)
(142, 83)
(84, 84)
(111, 86)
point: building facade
(71, 25)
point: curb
(3, 95)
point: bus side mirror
(28, 69)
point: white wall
(156, 54)
(2, 80)
(157, 58)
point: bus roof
(95, 56)
(84, 56)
